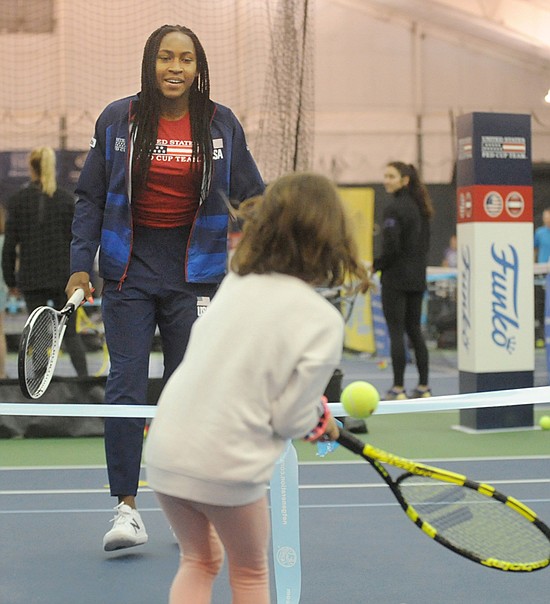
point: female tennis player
(253, 376)
(150, 195)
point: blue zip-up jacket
(103, 216)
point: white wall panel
(382, 91)
(400, 102)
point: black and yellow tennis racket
(470, 518)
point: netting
(62, 62)
(286, 120)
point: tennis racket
(40, 344)
(470, 518)
(344, 301)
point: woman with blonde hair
(35, 258)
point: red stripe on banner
(514, 148)
(494, 203)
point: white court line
(303, 487)
(367, 485)
(308, 506)
(325, 461)
(27, 492)
(72, 511)
(438, 460)
(49, 468)
(388, 505)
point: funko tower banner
(495, 317)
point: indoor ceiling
(517, 29)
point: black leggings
(403, 310)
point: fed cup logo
(286, 556)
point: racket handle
(75, 300)
(351, 442)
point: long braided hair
(147, 115)
(416, 187)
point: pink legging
(203, 531)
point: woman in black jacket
(403, 262)
(35, 258)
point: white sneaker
(128, 529)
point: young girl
(253, 376)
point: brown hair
(416, 187)
(299, 228)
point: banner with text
(495, 252)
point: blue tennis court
(357, 545)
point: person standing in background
(542, 238)
(35, 257)
(450, 255)
(403, 263)
(151, 198)
(542, 256)
(3, 300)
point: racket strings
(40, 347)
(475, 523)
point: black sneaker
(421, 393)
(395, 395)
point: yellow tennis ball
(360, 399)
(544, 422)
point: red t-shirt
(171, 196)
